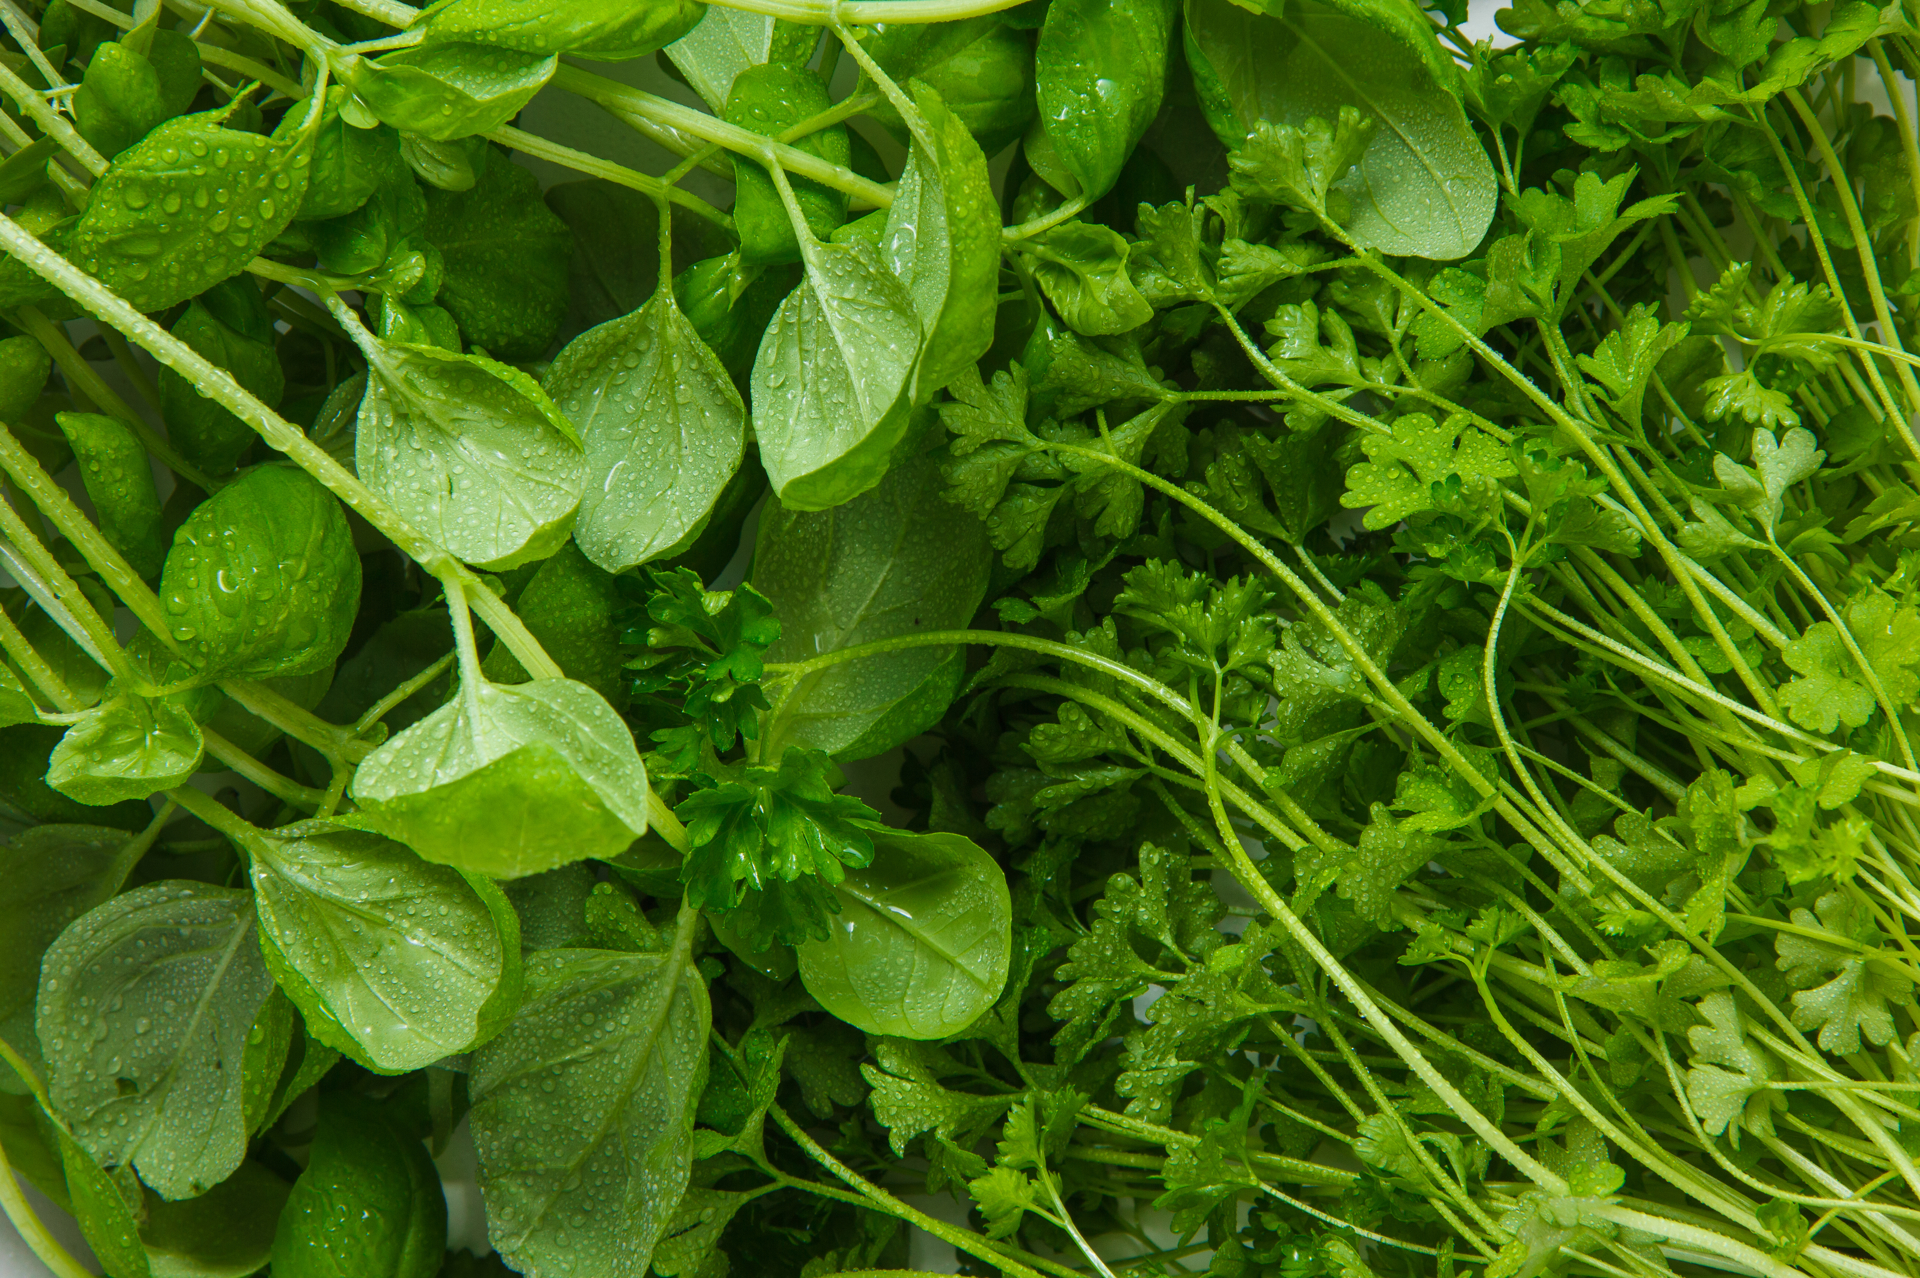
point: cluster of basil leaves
(1492, 858)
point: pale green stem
(581, 162)
(35, 667)
(32, 1230)
(51, 122)
(280, 787)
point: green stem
(581, 162)
(281, 787)
(35, 667)
(13, 1200)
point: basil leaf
(262, 580)
(768, 100)
(1101, 71)
(103, 1211)
(584, 28)
(506, 781)
(226, 1232)
(831, 384)
(231, 326)
(128, 747)
(392, 960)
(723, 44)
(469, 451)
(369, 1201)
(895, 561)
(923, 942)
(584, 1156)
(663, 426)
(54, 874)
(1424, 186)
(118, 476)
(942, 240)
(150, 230)
(1082, 268)
(145, 1003)
(505, 257)
(349, 164)
(444, 92)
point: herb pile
(1388, 572)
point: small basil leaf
(119, 481)
(369, 1201)
(145, 1003)
(205, 433)
(1082, 268)
(127, 747)
(262, 580)
(584, 28)
(832, 381)
(151, 233)
(584, 1156)
(894, 561)
(469, 451)
(446, 91)
(723, 44)
(392, 960)
(102, 1208)
(226, 1232)
(923, 941)
(349, 164)
(769, 99)
(505, 256)
(506, 781)
(663, 426)
(1101, 67)
(941, 238)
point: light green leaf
(263, 580)
(470, 452)
(723, 44)
(585, 1154)
(923, 941)
(369, 1201)
(663, 426)
(145, 1003)
(127, 747)
(509, 780)
(444, 92)
(391, 959)
(893, 562)
(584, 28)
(1082, 268)
(226, 1232)
(1424, 186)
(1101, 70)
(832, 380)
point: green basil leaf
(942, 239)
(584, 1156)
(226, 1232)
(506, 781)
(578, 613)
(15, 705)
(128, 747)
(895, 561)
(1424, 186)
(119, 480)
(723, 44)
(505, 256)
(349, 164)
(1101, 71)
(469, 451)
(369, 1201)
(54, 874)
(269, 1043)
(832, 382)
(923, 941)
(103, 1205)
(768, 100)
(1082, 268)
(663, 426)
(153, 233)
(206, 434)
(392, 960)
(983, 73)
(262, 580)
(584, 28)
(119, 99)
(446, 91)
(145, 1003)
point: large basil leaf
(585, 1149)
(832, 382)
(395, 961)
(444, 92)
(53, 874)
(923, 940)
(144, 1009)
(150, 232)
(126, 747)
(942, 239)
(368, 1203)
(470, 451)
(585, 28)
(1101, 67)
(506, 781)
(263, 580)
(895, 561)
(1424, 187)
(663, 427)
